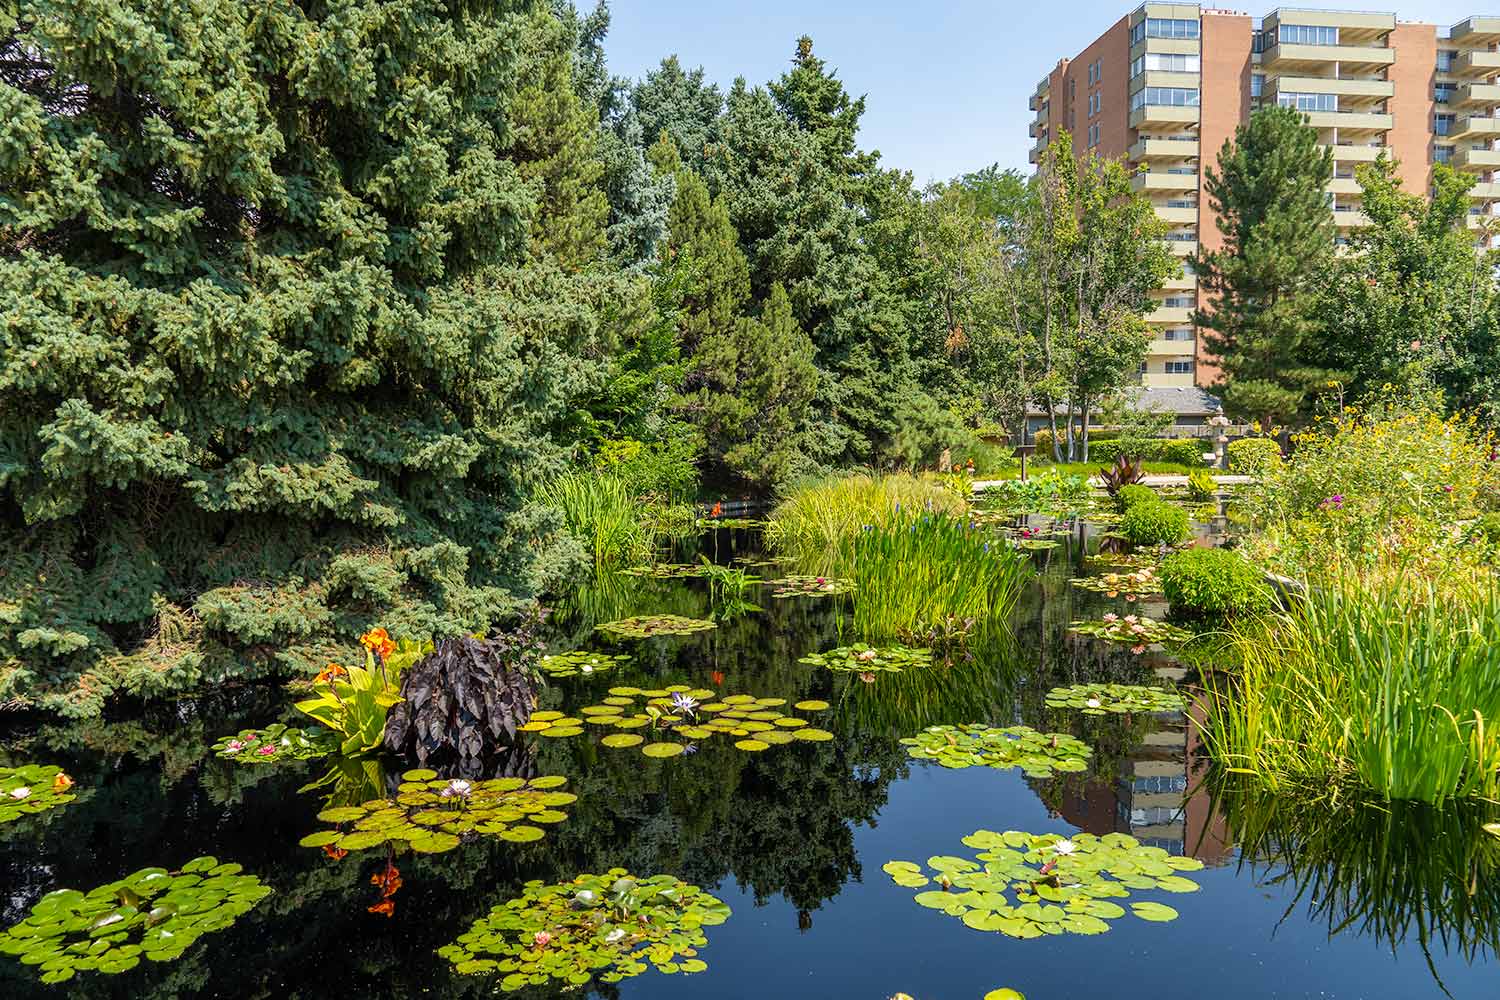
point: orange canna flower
(717, 511)
(336, 853)
(389, 880)
(717, 677)
(385, 908)
(378, 641)
(329, 672)
(62, 782)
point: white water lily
(1064, 847)
(1094, 703)
(20, 793)
(614, 936)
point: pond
(794, 836)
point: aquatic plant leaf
(612, 926)
(650, 626)
(1097, 699)
(31, 789)
(811, 705)
(1033, 885)
(861, 658)
(580, 662)
(1154, 912)
(276, 743)
(153, 912)
(1037, 754)
(809, 586)
(619, 740)
(431, 815)
(1004, 994)
(1135, 631)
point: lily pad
(277, 743)
(861, 658)
(1136, 631)
(669, 716)
(1026, 885)
(579, 662)
(809, 586)
(31, 789)
(431, 814)
(1039, 755)
(649, 626)
(1097, 699)
(152, 913)
(611, 926)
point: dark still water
(1296, 900)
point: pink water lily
(541, 939)
(1138, 650)
(234, 746)
(20, 793)
(1131, 619)
(1111, 617)
(266, 750)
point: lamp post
(1221, 441)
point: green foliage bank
(295, 295)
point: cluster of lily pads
(862, 659)
(612, 926)
(32, 788)
(668, 571)
(1026, 885)
(1099, 699)
(649, 626)
(1130, 584)
(1038, 755)
(666, 722)
(581, 661)
(431, 815)
(1137, 631)
(153, 914)
(277, 743)
(809, 586)
(743, 523)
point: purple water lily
(683, 703)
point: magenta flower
(1335, 502)
(234, 746)
(267, 750)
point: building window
(1443, 93)
(1171, 62)
(1309, 34)
(1137, 66)
(1442, 154)
(1257, 84)
(1182, 203)
(1445, 59)
(1164, 27)
(1309, 102)
(1180, 334)
(1442, 124)
(1179, 368)
(1093, 136)
(1177, 97)
(1179, 302)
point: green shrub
(1131, 495)
(1253, 456)
(613, 524)
(1201, 486)
(1486, 530)
(1179, 451)
(1212, 583)
(1154, 523)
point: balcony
(1350, 218)
(1475, 159)
(1476, 127)
(1366, 121)
(1165, 180)
(1170, 315)
(1371, 89)
(1472, 95)
(1356, 154)
(1289, 56)
(1485, 191)
(1163, 114)
(1165, 149)
(1174, 348)
(1035, 155)
(1181, 283)
(1476, 63)
(1037, 128)
(1344, 185)
(1181, 248)
(1490, 222)
(1482, 31)
(1162, 380)
(1179, 216)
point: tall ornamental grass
(917, 570)
(602, 512)
(1386, 682)
(812, 521)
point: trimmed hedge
(1154, 523)
(1253, 456)
(1104, 447)
(1212, 583)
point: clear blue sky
(947, 80)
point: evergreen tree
(682, 106)
(299, 296)
(1278, 236)
(748, 379)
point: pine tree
(300, 296)
(681, 105)
(1278, 235)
